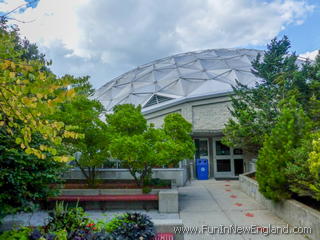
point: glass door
(202, 149)
(228, 161)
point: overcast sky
(105, 38)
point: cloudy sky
(105, 38)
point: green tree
(279, 150)
(137, 154)
(303, 172)
(30, 142)
(181, 144)
(255, 109)
(85, 113)
(127, 120)
(140, 147)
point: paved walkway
(216, 203)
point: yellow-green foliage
(301, 181)
(314, 156)
(28, 95)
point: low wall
(168, 200)
(291, 211)
(178, 176)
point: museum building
(198, 85)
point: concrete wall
(210, 116)
(205, 115)
(178, 176)
(168, 199)
(158, 120)
(291, 211)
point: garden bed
(66, 223)
(310, 202)
(293, 212)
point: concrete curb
(169, 201)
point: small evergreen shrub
(302, 181)
(278, 151)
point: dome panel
(211, 64)
(239, 62)
(200, 75)
(211, 86)
(181, 76)
(145, 88)
(174, 88)
(182, 60)
(141, 72)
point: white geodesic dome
(180, 77)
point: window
(222, 149)
(237, 151)
(155, 99)
(201, 148)
(223, 165)
(238, 166)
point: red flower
(90, 225)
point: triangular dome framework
(181, 76)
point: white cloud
(311, 55)
(105, 38)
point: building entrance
(202, 149)
(228, 161)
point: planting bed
(293, 212)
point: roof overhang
(179, 101)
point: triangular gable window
(155, 99)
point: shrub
(113, 224)
(24, 178)
(76, 226)
(21, 234)
(70, 219)
(146, 190)
(27, 233)
(302, 180)
(134, 226)
(88, 234)
(37, 234)
(278, 151)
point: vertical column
(211, 157)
